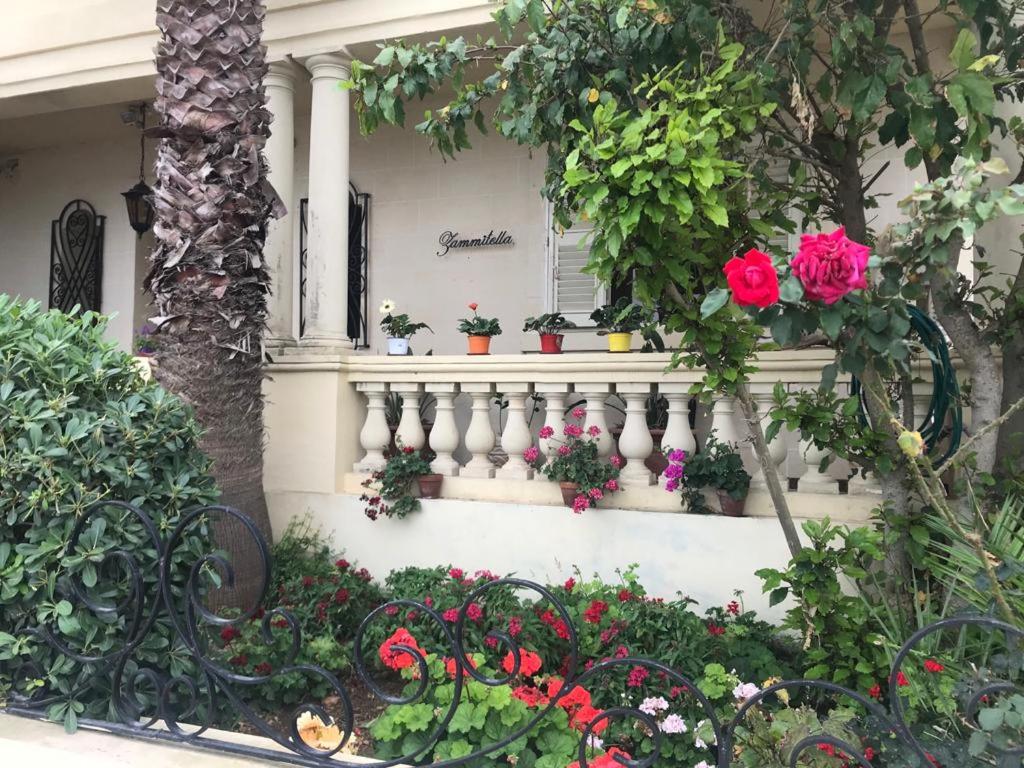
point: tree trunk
(208, 279)
(1010, 446)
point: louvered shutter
(782, 242)
(575, 294)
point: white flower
(652, 706)
(745, 691)
(703, 764)
(594, 742)
(673, 724)
(387, 307)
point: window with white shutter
(573, 292)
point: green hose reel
(945, 399)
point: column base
(448, 468)
(367, 468)
(642, 479)
(815, 485)
(326, 342)
(477, 468)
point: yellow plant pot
(620, 342)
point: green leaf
(962, 54)
(713, 302)
(791, 290)
(991, 718)
(832, 321)
(828, 377)
(777, 596)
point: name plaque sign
(450, 241)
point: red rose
(752, 279)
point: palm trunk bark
(208, 279)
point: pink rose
(830, 266)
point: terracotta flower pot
(657, 462)
(569, 492)
(551, 343)
(479, 345)
(620, 342)
(730, 506)
(430, 486)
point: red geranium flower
(228, 634)
(715, 630)
(607, 760)
(593, 614)
(450, 666)
(398, 658)
(529, 663)
(263, 669)
(875, 691)
(307, 581)
(753, 279)
(570, 584)
(637, 675)
(342, 565)
(452, 615)
(933, 666)
(515, 626)
(901, 679)
(474, 612)
(733, 608)
(530, 696)
(341, 596)
(625, 595)
(457, 574)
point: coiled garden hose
(945, 398)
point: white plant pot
(398, 346)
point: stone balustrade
(479, 414)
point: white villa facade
(69, 68)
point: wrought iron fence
(181, 706)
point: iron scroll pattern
(174, 715)
(76, 257)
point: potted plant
(479, 330)
(619, 321)
(719, 467)
(145, 341)
(549, 326)
(398, 328)
(388, 490)
(576, 466)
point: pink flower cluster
(572, 430)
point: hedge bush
(79, 424)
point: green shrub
(79, 424)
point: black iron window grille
(76, 258)
(139, 586)
(358, 266)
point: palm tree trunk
(208, 278)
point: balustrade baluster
(678, 435)
(375, 436)
(444, 435)
(723, 421)
(516, 437)
(595, 395)
(777, 447)
(635, 442)
(814, 480)
(554, 417)
(480, 435)
(410, 428)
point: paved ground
(35, 744)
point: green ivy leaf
(791, 290)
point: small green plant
(839, 644)
(398, 326)
(719, 467)
(389, 490)
(576, 460)
(145, 341)
(552, 322)
(624, 316)
(479, 326)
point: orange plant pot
(479, 345)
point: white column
(444, 436)
(279, 251)
(479, 435)
(326, 307)
(516, 437)
(635, 442)
(777, 447)
(595, 395)
(814, 480)
(554, 417)
(375, 435)
(723, 421)
(410, 427)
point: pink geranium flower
(546, 431)
(830, 266)
(578, 412)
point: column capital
(335, 66)
(282, 74)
